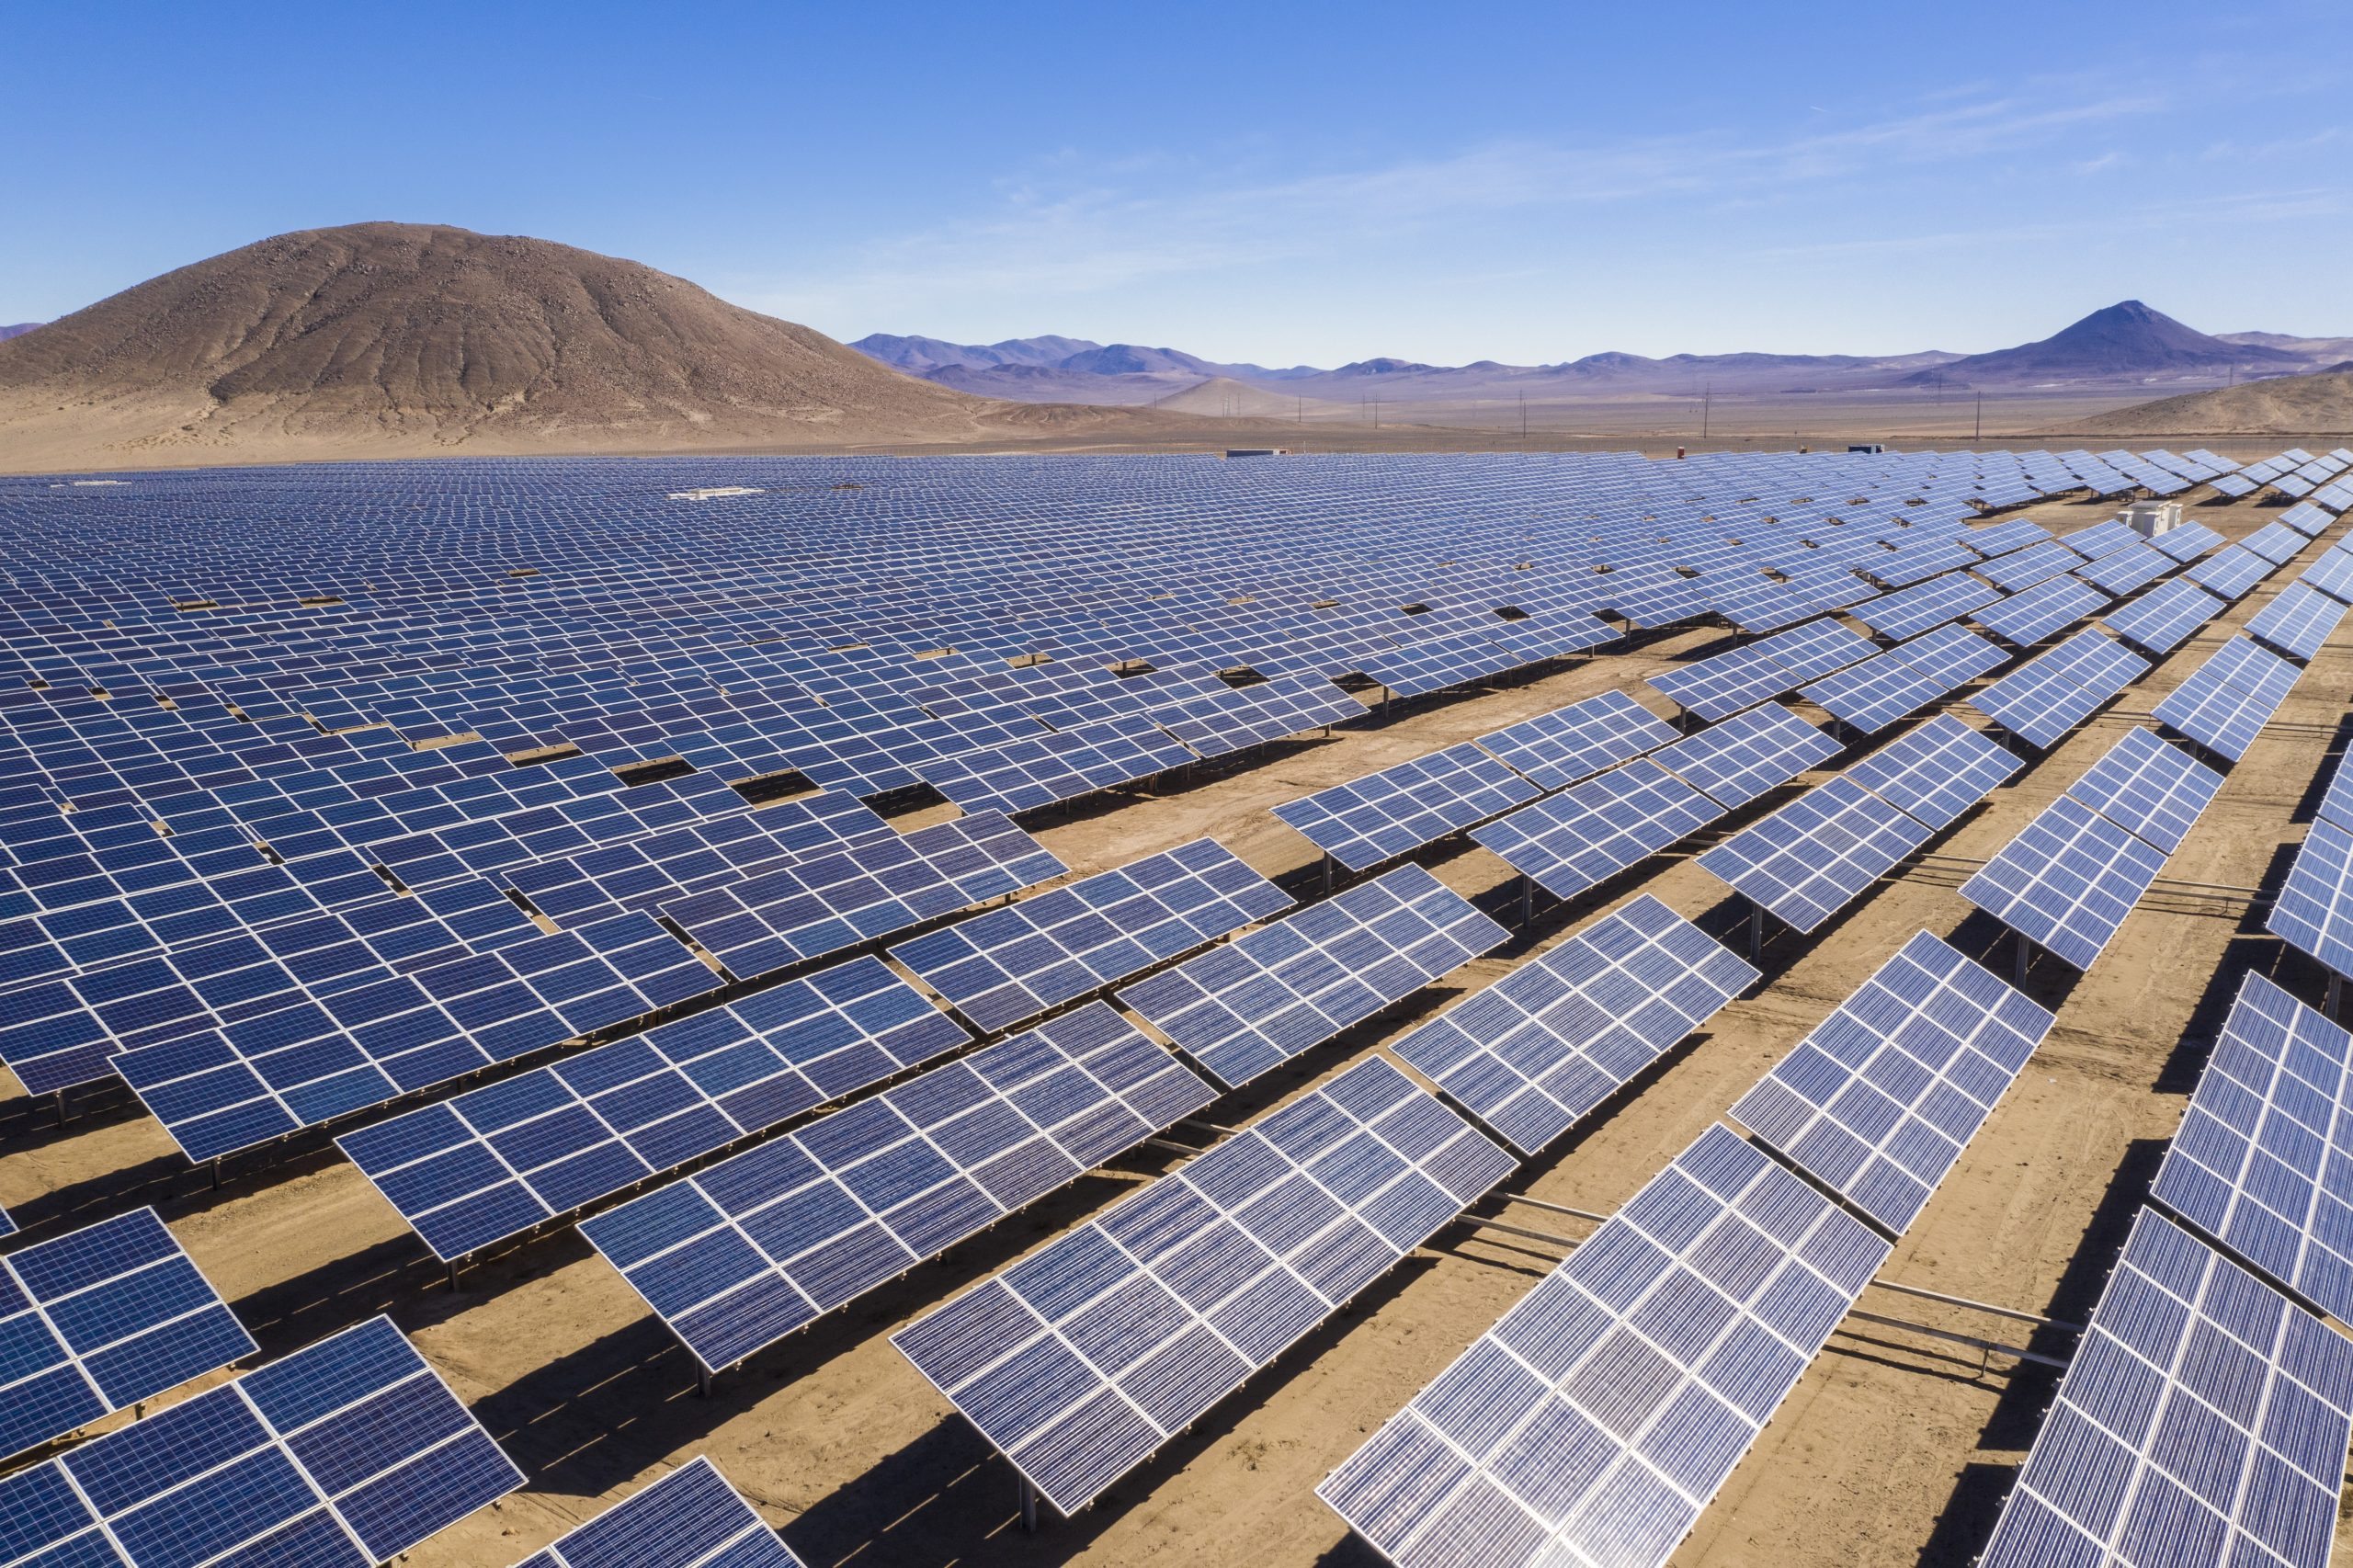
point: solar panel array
(1401, 808)
(1080, 1360)
(1012, 964)
(1719, 687)
(1596, 1419)
(1935, 771)
(2071, 875)
(2051, 695)
(739, 1255)
(493, 1164)
(1555, 750)
(2225, 701)
(1536, 1051)
(343, 1455)
(1878, 1102)
(2263, 1159)
(2203, 1420)
(1248, 1005)
(2164, 619)
(690, 1518)
(100, 1319)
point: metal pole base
(1028, 1507)
(1755, 931)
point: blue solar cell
(1816, 854)
(2203, 1420)
(1597, 1417)
(1594, 830)
(1879, 1100)
(2314, 910)
(1742, 758)
(2152, 789)
(99, 1320)
(2263, 1159)
(1401, 808)
(1935, 771)
(493, 1164)
(2225, 702)
(2067, 880)
(341, 1455)
(1536, 1051)
(690, 1518)
(738, 1255)
(2299, 621)
(1247, 1006)
(2163, 619)
(2049, 696)
(1080, 1360)
(1555, 750)
(1014, 963)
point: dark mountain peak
(2121, 342)
(19, 330)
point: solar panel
(2027, 618)
(2187, 543)
(1816, 854)
(2225, 702)
(2026, 567)
(342, 1455)
(2102, 540)
(1936, 771)
(1879, 1100)
(819, 905)
(2148, 787)
(2203, 1420)
(2298, 622)
(1040, 770)
(2314, 912)
(1876, 693)
(2001, 538)
(1814, 648)
(2164, 619)
(1535, 1052)
(2126, 570)
(1014, 963)
(99, 1320)
(8, 1226)
(1736, 761)
(1720, 686)
(1401, 808)
(2332, 573)
(1555, 750)
(255, 1079)
(1596, 1419)
(1080, 1360)
(1247, 1005)
(2231, 574)
(1594, 830)
(2276, 542)
(494, 1162)
(742, 1254)
(2264, 1160)
(690, 1518)
(2067, 880)
(1910, 611)
(2049, 696)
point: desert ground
(1894, 1450)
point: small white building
(2149, 518)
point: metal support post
(1028, 1507)
(1756, 930)
(702, 1383)
(2026, 956)
(453, 1274)
(1527, 900)
(2336, 994)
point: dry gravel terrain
(1894, 1450)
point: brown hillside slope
(2285, 405)
(396, 339)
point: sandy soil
(1894, 1450)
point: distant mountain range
(2126, 346)
(19, 330)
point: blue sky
(1273, 183)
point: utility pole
(1523, 416)
(1707, 395)
(1981, 416)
